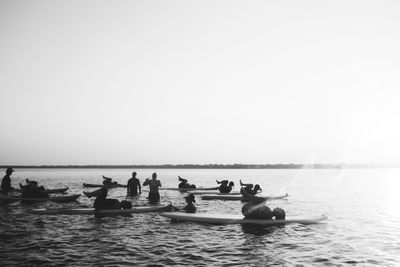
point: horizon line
(214, 166)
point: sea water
(362, 229)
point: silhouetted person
(190, 208)
(184, 183)
(133, 186)
(33, 190)
(255, 208)
(102, 203)
(224, 187)
(154, 184)
(108, 181)
(6, 182)
(250, 189)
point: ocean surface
(362, 229)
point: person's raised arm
(146, 182)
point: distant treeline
(212, 166)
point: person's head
(231, 184)
(190, 199)
(279, 214)
(126, 204)
(257, 187)
(154, 176)
(225, 182)
(9, 171)
(133, 174)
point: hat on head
(9, 170)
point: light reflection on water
(362, 205)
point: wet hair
(133, 174)
(256, 187)
(231, 183)
(190, 198)
(279, 214)
(126, 204)
(154, 175)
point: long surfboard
(234, 219)
(213, 193)
(188, 189)
(101, 185)
(48, 191)
(237, 197)
(68, 198)
(90, 211)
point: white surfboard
(237, 197)
(90, 211)
(234, 219)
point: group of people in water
(30, 190)
(253, 208)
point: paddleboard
(101, 185)
(48, 191)
(234, 219)
(213, 193)
(90, 211)
(54, 199)
(188, 189)
(236, 197)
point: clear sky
(156, 82)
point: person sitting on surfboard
(154, 184)
(33, 190)
(255, 208)
(224, 187)
(6, 182)
(102, 203)
(184, 183)
(108, 181)
(133, 186)
(250, 189)
(190, 208)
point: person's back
(190, 208)
(101, 201)
(133, 186)
(6, 182)
(33, 190)
(255, 207)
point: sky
(198, 82)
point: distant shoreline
(212, 166)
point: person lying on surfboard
(184, 183)
(250, 189)
(103, 203)
(255, 208)
(190, 208)
(224, 187)
(33, 190)
(108, 181)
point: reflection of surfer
(255, 208)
